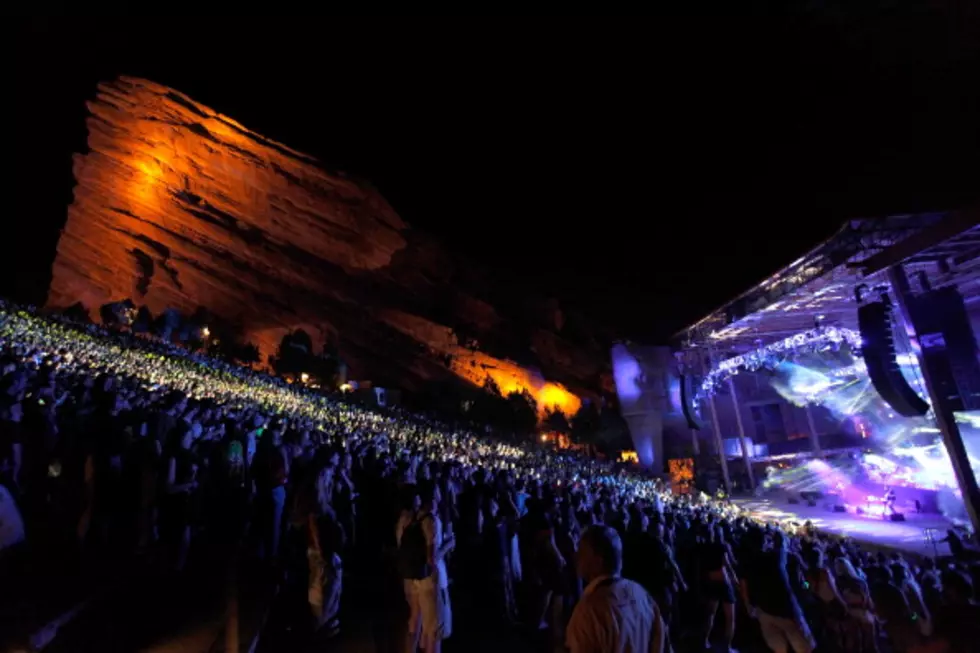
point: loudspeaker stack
(878, 349)
(687, 403)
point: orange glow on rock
(475, 367)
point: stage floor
(907, 536)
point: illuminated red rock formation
(179, 206)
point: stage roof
(819, 287)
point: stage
(908, 536)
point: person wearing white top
(614, 615)
(430, 613)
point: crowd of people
(114, 442)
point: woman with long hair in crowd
(860, 632)
(181, 487)
(829, 612)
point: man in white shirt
(428, 597)
(614, 615)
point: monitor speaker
(874, 319)
(840, 508)
(687, 403)
(794, 500)
(896, 516)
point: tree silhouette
(77, 313)
(556, 421)
(523, 412)
(613, 434)
(489, 406)
(293, 354)
(585, 423)
(490, 387)
(295, 357)
(300, 340)
(118, 314)
(234, 350)
(248, 353)
(144, 320)
(167, 323)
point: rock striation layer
(179, 206)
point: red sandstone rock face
(179, 206)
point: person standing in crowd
(767, 589)
(544, 562)
(958, 622)
(860, 630)
(181, 491)
(718, 582)
(422, 551)
(11, 445)
(271, 470)
(614, 615)
(498, 530)
(829, 612)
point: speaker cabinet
(874, 319)
(840, 508)
(687, 403)
(896, 516)
(948, 346)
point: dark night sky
(641, 170)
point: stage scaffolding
(821, 283)
(819, 290)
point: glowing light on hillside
(475, 367)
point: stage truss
(818, 290)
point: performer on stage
(889, 501)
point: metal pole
(720, 444)
(945, 419)
(694, 443)
(741, 433)
(814, 436)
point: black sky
(641, 170)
